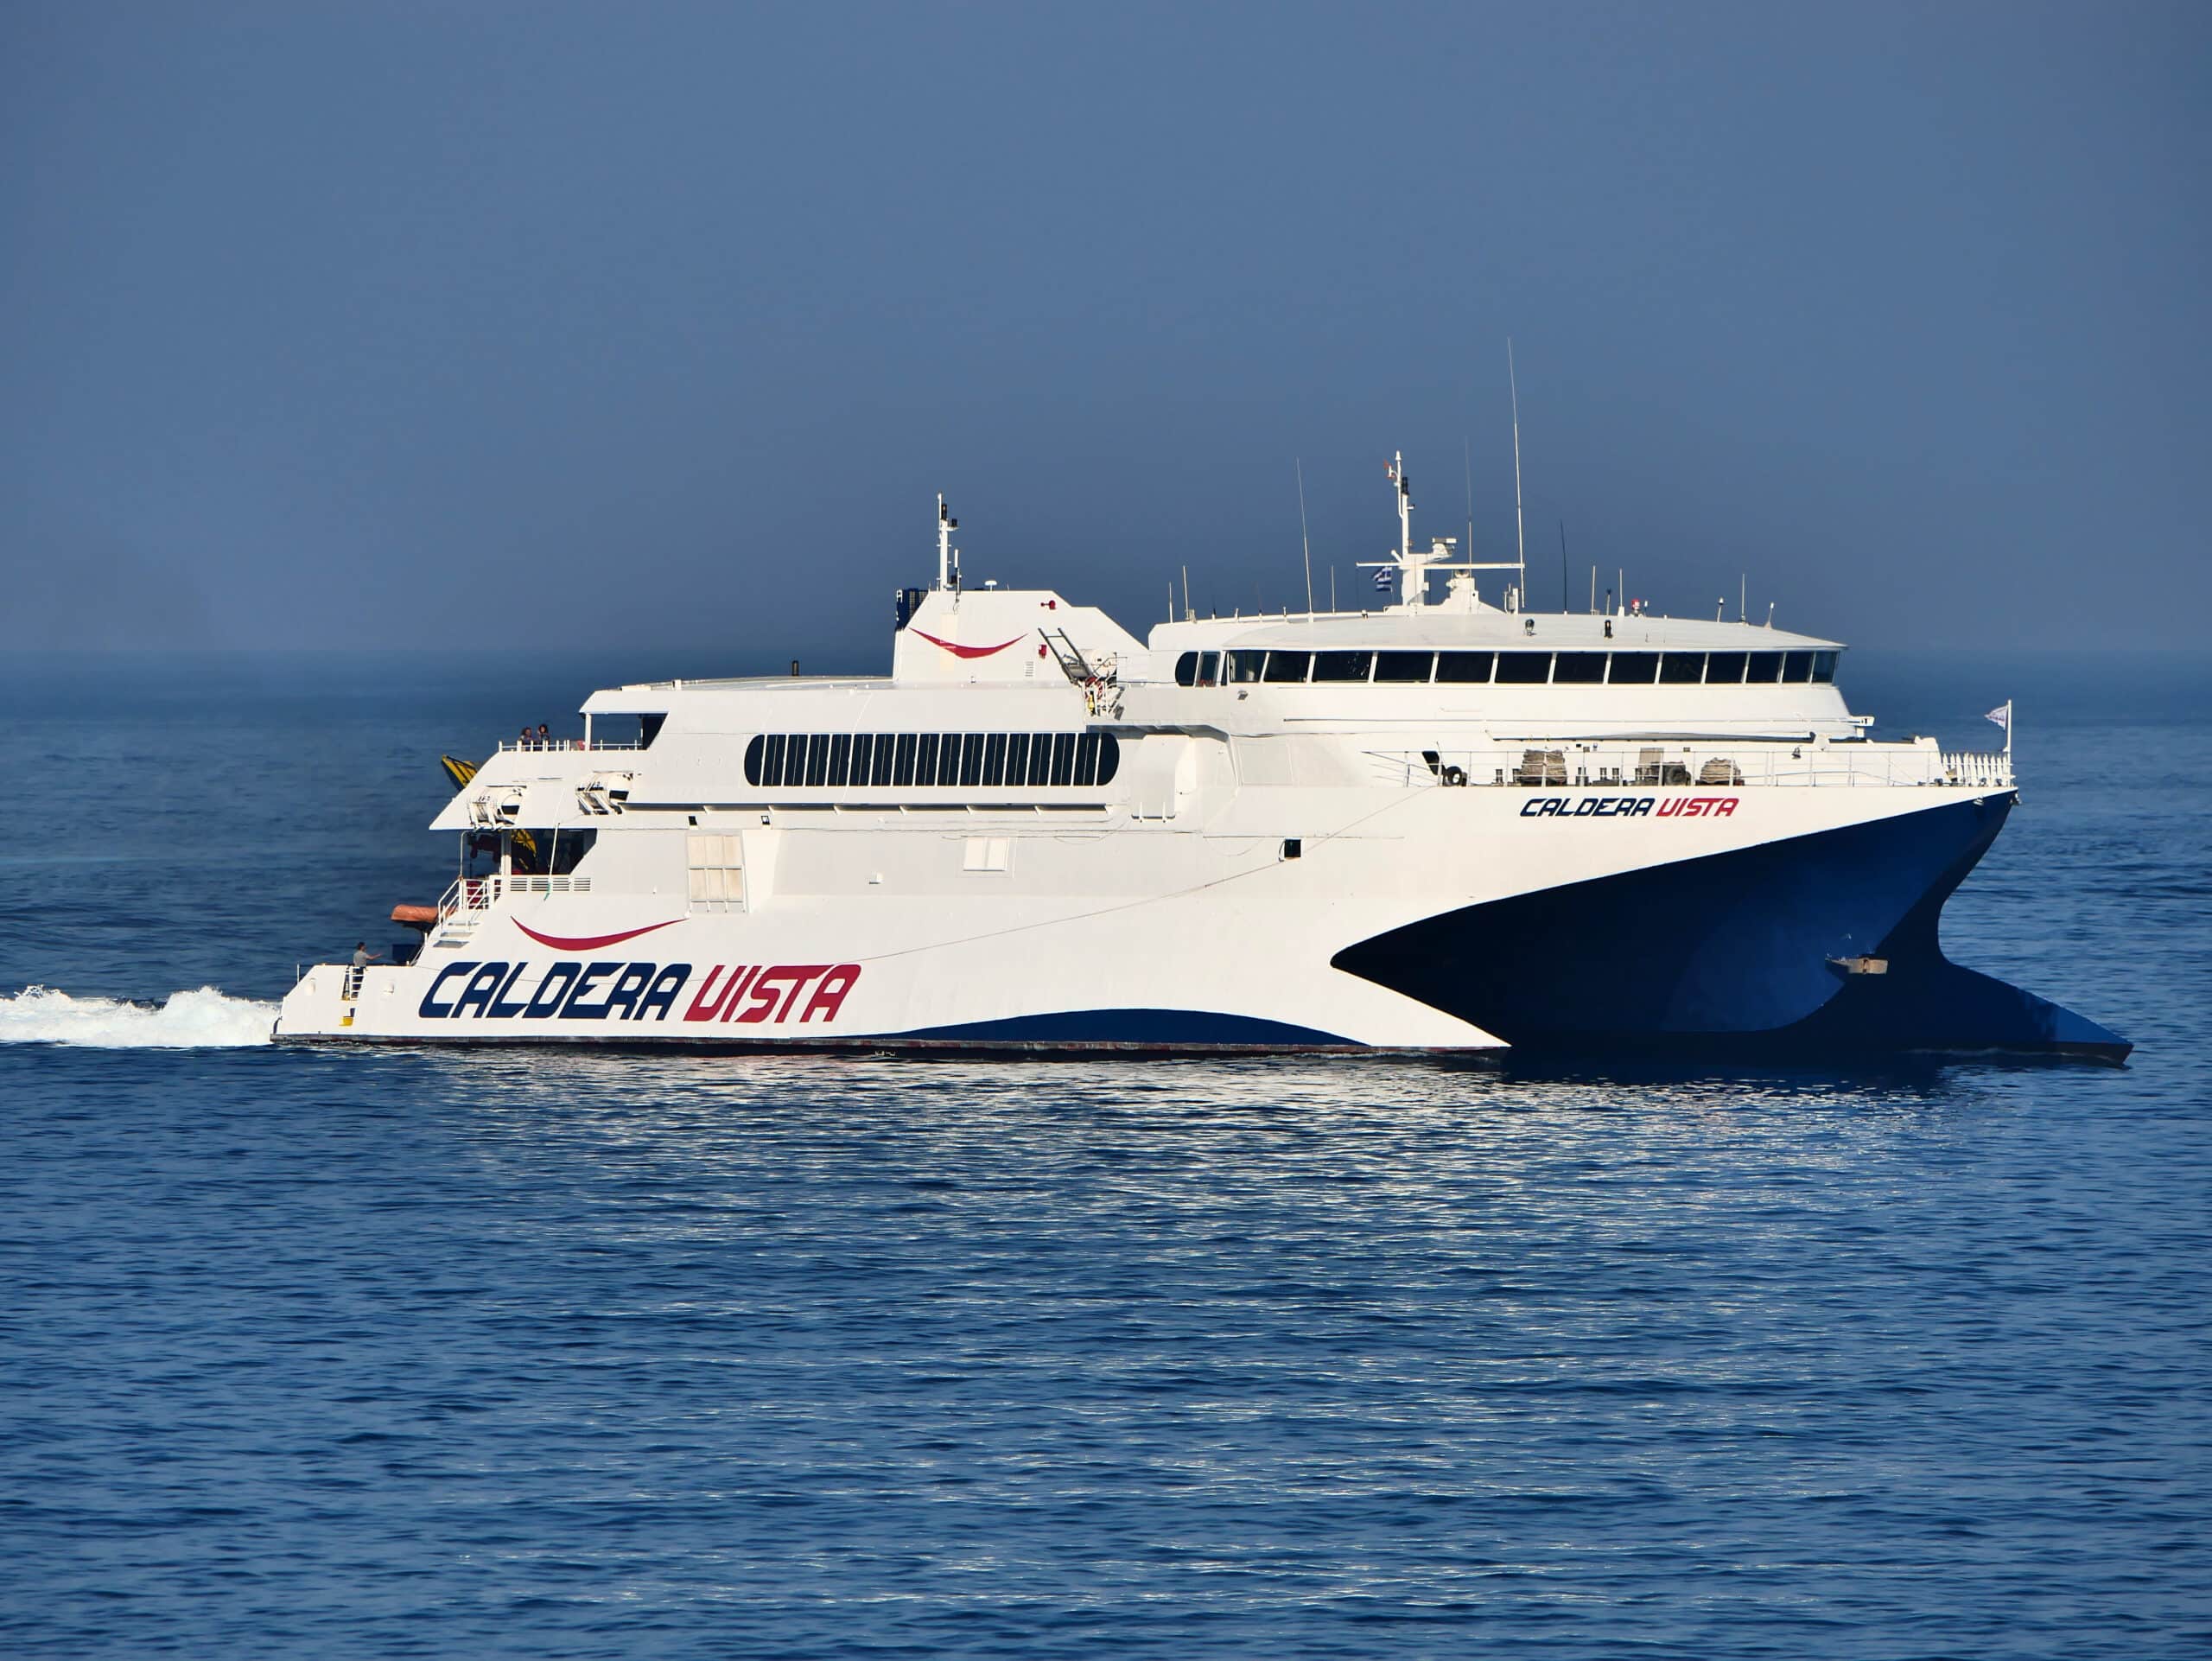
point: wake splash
(207, 1019)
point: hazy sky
(658, 326)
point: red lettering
(1670, 807)
(764, 998)
(701, 1009)
(802, 974)
(829, 997)
(1727, 805)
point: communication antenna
(1562, 566)
(1743, 596)
(1520, 546)
(1467, 463)
(1304, 542)
(1188, 614)
(947, 561)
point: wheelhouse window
(1681, 668)
(1723, 668)
(1764, 667)
(1635, 668)
(1796, 667)
(1823, 667)
(1198, 669)
(1289, 667)
(1341, 665)
(1579, 669)
(1523, 668)
(1244, 666)
(1403, 668)
(1464, 668)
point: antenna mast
(1304, 542)
(1520, 545)
(946, 524)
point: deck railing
(594, 745)
(465, 902)
(1565, 764)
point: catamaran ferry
(1449, 824)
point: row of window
(1507, 668)
(968, 760)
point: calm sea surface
(461, 1354)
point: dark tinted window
(1245, 665)
(1764, 666)
(1523, 668)
(1017, 758)
(1063, 757)
(1086, 759)
(1464, 668)
(1209, 669)
(1824, 666)
(841, 758)
(881, 773)
(1109, 757)
(925, 758)
(1635, 668)
(1289, 666)
(994, 759)
(1341, 665)
(818, 760)
(1579, 669)
(1682, 668)
(1798, 666)
(752, 758)
(948, 758)
(1040, 757)
(972, 760)
(1186, 669)
(902, 772)
(1403, 666)
(1723, 668)
(863, 751)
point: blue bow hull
(1816, 946)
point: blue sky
(561, 327)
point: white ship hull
(1450, 827)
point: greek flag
(1383, 577)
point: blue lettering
(1533, 807)
(662, 993)
(501, 1009)
(481, 984)
(431, 1009)
(575, 1009)
(546, 1001)
(623, 995)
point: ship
(1446, 823)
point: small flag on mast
(2002, 715)
(1383, 577)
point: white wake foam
(207, 1019)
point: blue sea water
(403, 1353)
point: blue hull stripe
(1734, 953)
(1169, 1028)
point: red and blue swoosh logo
(592, 942)
(969, 651)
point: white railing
(465, 902)
(1565, 764)
(1980, 767)
(539, 745)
